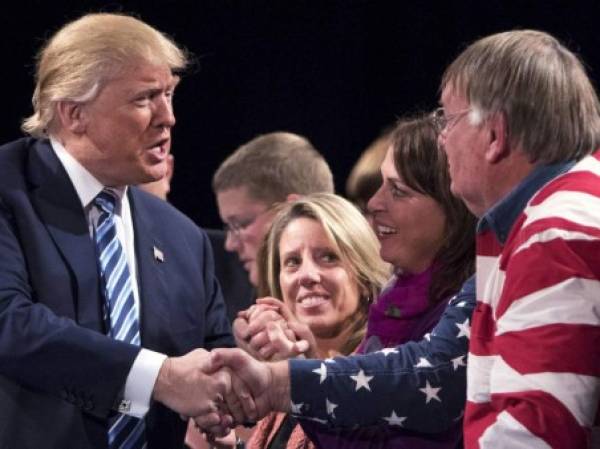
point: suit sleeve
(42, 351)
(218, 329)
(417, 386)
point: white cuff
(140, 383)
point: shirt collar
(86, 185)
(500, 217)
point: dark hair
(365, 177)
(423, 167)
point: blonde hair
(351, 238)
(83, 55)
(551, 108)
(274, 165)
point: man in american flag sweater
(519, 111)
(519, 122)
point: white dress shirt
(144, 371)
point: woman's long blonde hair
(352, 239)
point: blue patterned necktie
(120, 311)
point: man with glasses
(519, 121)
(270, 169)
(518, 161)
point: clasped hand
(269, 331)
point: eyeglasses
(236, 229)
(445, 122)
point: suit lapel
(58, 205)
(151, 259)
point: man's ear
(72, 116)
(292, 197)
(498, 145)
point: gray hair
(551, 108)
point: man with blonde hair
(520, 124)
(105, 290)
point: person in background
(365, 177)
(270, 169)
(102, 304)
(238, 292)
(427, 235)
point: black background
(335, 71)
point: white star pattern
(387, 351)
(362, 381)
(322, 372)
(430, 392)
(395, 420)
(297, 408)
(330, 407)
(414, 364)
(464, 329)
(458, 361)
(423, 363)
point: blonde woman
(320, 267)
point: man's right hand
(257, 388)
(184, 386)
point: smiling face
(409, 224)
(314, 281)
(124, 133)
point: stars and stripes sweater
(401, 313)
(417, 386)
(534, 365)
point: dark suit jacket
(238, 292)
(59, 375)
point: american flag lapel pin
(158, 254)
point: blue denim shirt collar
(502, 215)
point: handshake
(222, 388)
(228, 387)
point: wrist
(161, 386)
(280, 386)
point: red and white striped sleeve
(539, 366)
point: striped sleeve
(543, 364)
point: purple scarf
(401, 313)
